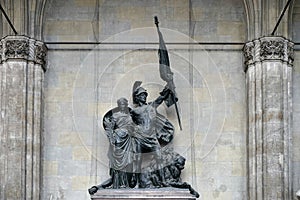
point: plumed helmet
(140, 90)
(137, 90)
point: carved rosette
(269, 48)
(23, 47)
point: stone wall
(205, 20)
(84, 81)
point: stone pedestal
(22, 67)
(269, 91)
(143, 194)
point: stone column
(22, 70)
(269, 92)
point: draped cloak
(128, 137)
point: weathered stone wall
(74, 133)
(84, 81)
(206, 20)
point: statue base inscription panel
(139, 194)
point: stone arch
(5, 29)
(249, 6)
(260, 20)
(26, 16)
(38, 20)
(290, 19)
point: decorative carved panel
(22, 47)
(40, 54)
(272, 49)
(268, 48)
(249, 52)
(16, 49)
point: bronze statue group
(138, 153)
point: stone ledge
(143, 194)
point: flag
(166, 74)
(164, 67)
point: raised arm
(163, 96)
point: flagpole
(167, 72)
(177, 112)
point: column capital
(23, 47)
(269, 48)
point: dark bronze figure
(173, 165)
(151, 127)
(119, 127)
(138, 155)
